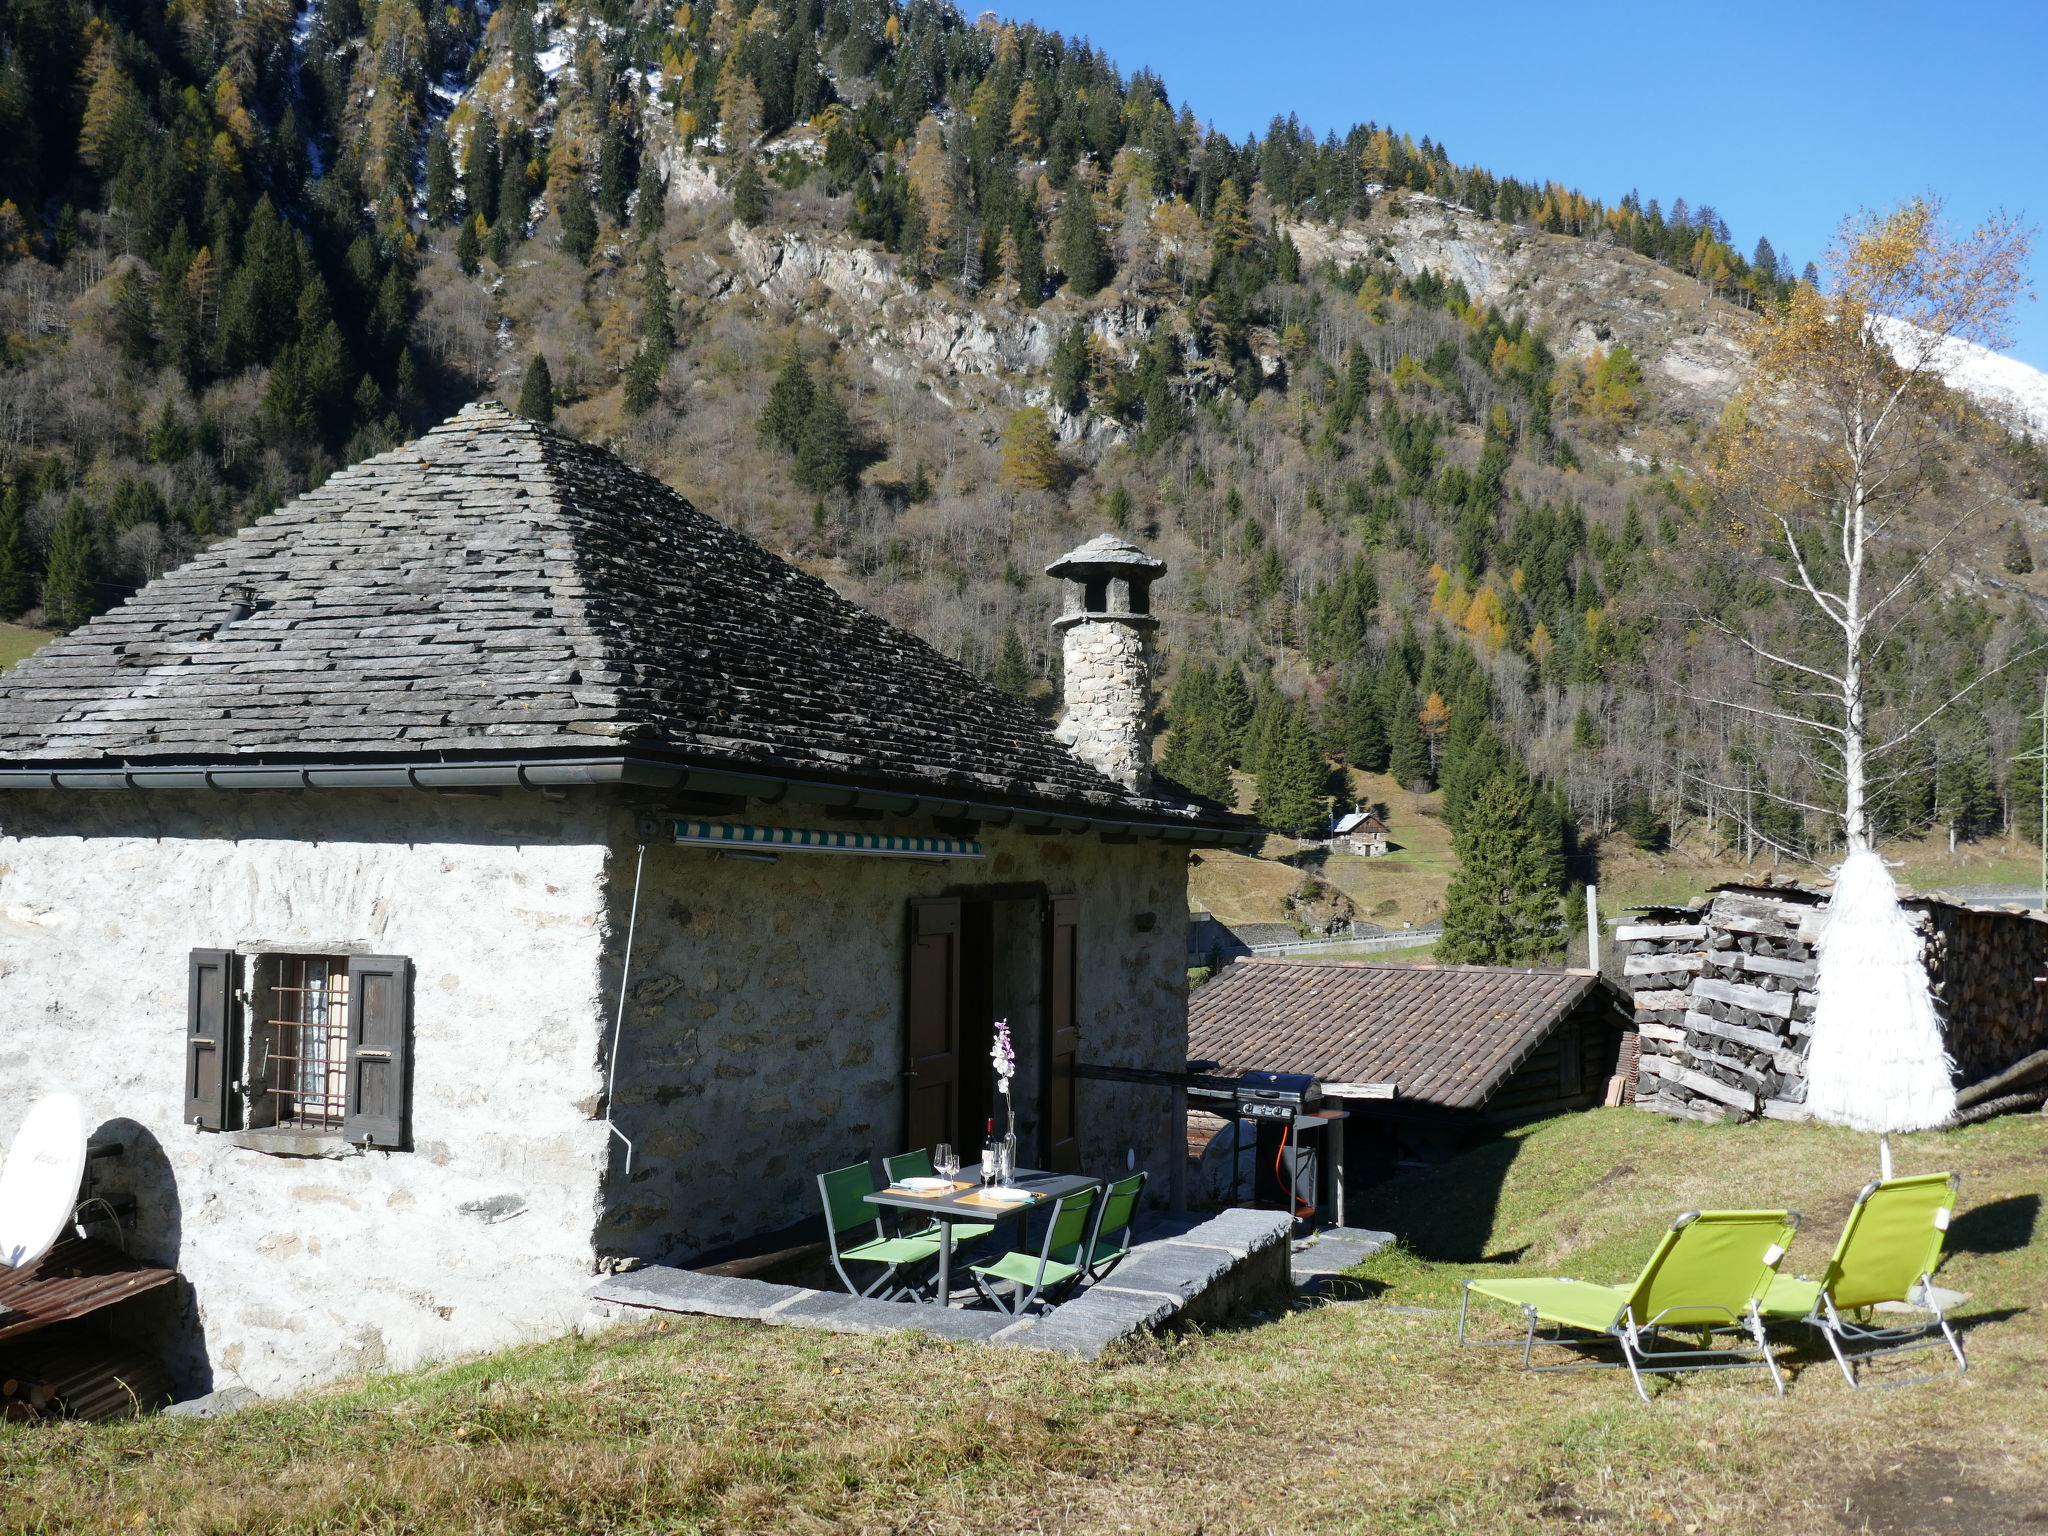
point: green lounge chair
(1709, 1274)
(848, 1214)
(1109, 1244)
(1060, 1261)
(918, 1165)
(1888, 1253)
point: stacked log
(1665, 952)
(1724, 996)
(1752, 1005)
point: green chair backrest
(909, 1165)
(1118, 1207)
(1070, 1221)
(1894, 1235)
(1711, 1266)
(844, 1191)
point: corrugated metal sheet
(1444, 1034)
(79, 1275)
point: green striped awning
(730, 834)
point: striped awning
(731, 834)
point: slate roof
(1447, 1035)
(496, 587)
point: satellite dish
(39, 1184)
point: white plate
(1008, 1196)
(926, 1186)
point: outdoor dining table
(968, 1202)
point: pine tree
(650, 203)
(1031, 460)
(1083, 256)
(1234, 714)
(1408, 758)
(657, 320)
(2019, 559)
(789, 403)
(826, 448)
(1070, 370)
(1197, 757)
(579, 222)
(614, 173)
(480, 170)
(749, 193)
(1013, 670)
(537, 391)
(15, 572)
(1027, 267)
(440, 177)
(469, 245)
(920, 489)
(70, 585)
(1292, 775)
(1501, 908)
(642, 385)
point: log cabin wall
(1723, 996)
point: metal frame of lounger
(1824, 1318)
(1637, 1343)
(1638, 1340)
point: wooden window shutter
(212, 1041)
(379, 1050)
(931, 1025)
(1062, 1034)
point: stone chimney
(1106, 632)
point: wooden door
(1062, 1015)
(931, 1025)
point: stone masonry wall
(764, 1027)
(1106, 681)
(301, 1268)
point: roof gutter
(559, 772)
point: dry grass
(1336, 1417)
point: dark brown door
(931, 1031)
(1062, 1118)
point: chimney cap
(1103, 554)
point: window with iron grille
(307, 1036)
(326, 1041)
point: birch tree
(1833, 467)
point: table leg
(945, 1263)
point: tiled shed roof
(1443, 1034)
(496, 587)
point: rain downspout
(611, 1072)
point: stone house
(1359, 832)
(488, 871)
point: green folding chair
(1889, 1251)
(1061, 1258)
(848, 1213)
(1109, 1244)
(918, 1165)
(1709, 1275)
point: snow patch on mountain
(2005, 386)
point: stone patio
(1193, 1269)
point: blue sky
(1783, 117)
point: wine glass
(945, 1161)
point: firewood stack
(1724, 996)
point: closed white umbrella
(1876, 1061)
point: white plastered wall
(303, 1269)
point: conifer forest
(1440, 460)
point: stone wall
(764, 1027)
(305, 1268)
(1105, 680)
(1724, 996)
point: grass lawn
(1348, 1417)
(16, 642)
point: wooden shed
(1467, 1049)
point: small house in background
(1467, 1049)
(1359, 832)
